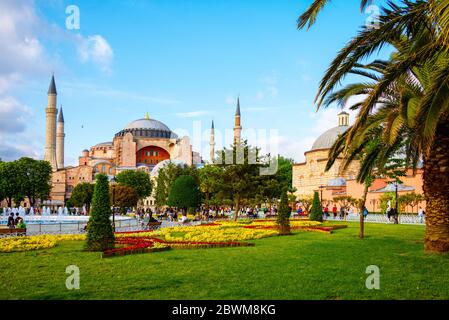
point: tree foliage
(99, 231)
(82, 195)
(184, 193)
(316, 213)
(136, 179)
(25, 177)
(123, 196)
(283, 216)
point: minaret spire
(237, 126)
(60, 136)
(50, 128)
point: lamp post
(113, 202)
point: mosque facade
(140, 145)
(310, 176)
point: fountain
(60, 212)
(31, 213)
(21, 211)
(66, 211)
(84, 210)
(48, 211)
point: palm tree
(418, 75)
(309, 17)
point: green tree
(283, 216)
(421, 121)
(184, 193)
(99, 231)
(165, 179)
(82, 195)
(34, 178)
(210, 179)
(123, 196)
(136, 179)
(9, 181)
(306, 201)
(316, 213)
(241, 172)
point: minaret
(212, 143)
(60, 135)
(237, 126)
(343, 119)
(50, 128)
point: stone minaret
(212, 143)
(50, 128)
(60, 135)
(237, 126)
(343, 119)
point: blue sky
(184, 62)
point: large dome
(148, 128)
(327, 139)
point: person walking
(421, 215)
(365, 212)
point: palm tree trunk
(436, 191)
(362, 206)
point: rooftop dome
(328, 138)
(147, 127)
(164, 163)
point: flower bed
(28, 243)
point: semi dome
(147, 127)
(328, 138)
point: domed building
(310, 175)
(141, 145)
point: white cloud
(13, 116)
(21, 50)
(97, 50)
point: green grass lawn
(306, 265)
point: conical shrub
(283, 218)
(316, 213)
(99, 228)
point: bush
(283, 217)
(316, 213)
(184, 193)
(99, 232)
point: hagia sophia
(147, 144)
(143, 144)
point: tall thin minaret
(50, 128)
(237, 126)
(212, 143)
(60, 135)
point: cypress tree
(99, 228)
(283, 218)
(316, 213)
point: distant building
(140, 145)
(310, 176)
